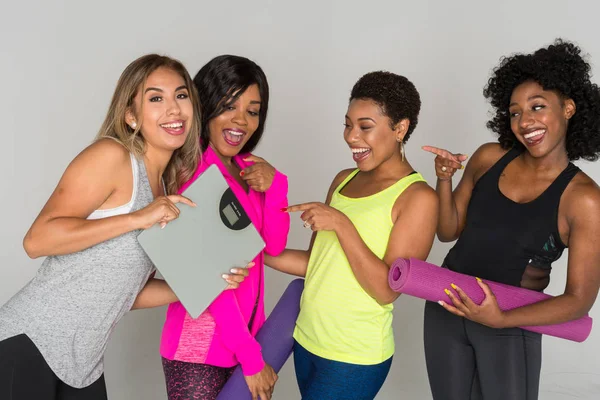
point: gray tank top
(71, 306)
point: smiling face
(539, 118)
(163, 110)
(370, 136)
(231, 130)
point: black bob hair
(220, 82)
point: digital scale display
(230, 214)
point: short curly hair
(560, 68)
(395, 94)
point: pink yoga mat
(427, 281)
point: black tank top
(501, 237)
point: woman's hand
(262, 383)
(446, 163)
(319, 216)
(258, 176)
(487, 313)
(237, 276)
(161, 211)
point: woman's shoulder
(582, 195)
(580, 206)
(340, 176)
(106, 154)
(483, 159)
(107, 150)
(337, 181)
(418, 194)
(343, 174)
(488, 154)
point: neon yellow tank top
(338, 320)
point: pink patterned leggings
(194, 381)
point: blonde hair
(185, 159)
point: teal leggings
(319, 378)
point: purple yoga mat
(276, 340)
(427, 281)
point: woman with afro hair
(519, 204)
(374, 213)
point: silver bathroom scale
(193, 251)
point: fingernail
(453, 286)
(234, 271)
(441, 303)
(242, 173)
(162, 225)
(447, 292)
(252, 264)
(224, 276)
(478, 279)
(284, 209)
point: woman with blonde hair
(54, 331)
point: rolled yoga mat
(275, 337)
(427, 281)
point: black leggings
(469, 361)
(25, 375)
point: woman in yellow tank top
(373, 214)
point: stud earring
(133, 125)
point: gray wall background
(61, 60)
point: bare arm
(583, 273)
(90, 179)
(454, 204)
(411, 236)
(294, 261)
(290, 261)
(155, 293)
(101, 171)
(452, 212)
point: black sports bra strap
(493, 174)
(562, 181)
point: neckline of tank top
(541, 195)
(123, 208)
(413, 174)
(135, 164)
(145, 175)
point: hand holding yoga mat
(427, 281)
(276, 340)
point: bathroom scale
(194, 250)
